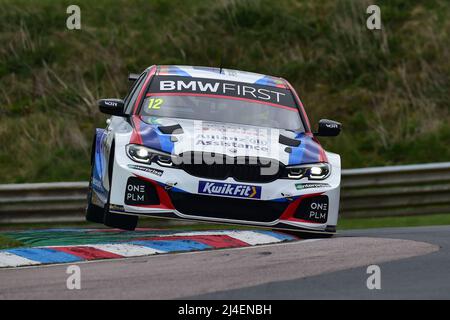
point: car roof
(221, 74)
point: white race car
(216, 145)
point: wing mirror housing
(328, 128)
(113, 107)
(133, 77)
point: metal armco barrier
(42, 202)
(368, 192)
(396, 190)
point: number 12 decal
(155, 103)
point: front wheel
(111, 219)
(120, 221)
(307, 235)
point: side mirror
(328, 128)
(113, 107)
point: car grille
(241, 169)
(227, 208)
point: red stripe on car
(164, 199)
(289, 213)
(302, 108)
(144, 88)
(136, 134)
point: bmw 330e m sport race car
(213, 145)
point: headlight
(143, 154)
(317, 171)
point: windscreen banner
(221, 88)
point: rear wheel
(111, 219)
(93, 213)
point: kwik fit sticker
(229, 189)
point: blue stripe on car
(267, 81)
(177, 71)
(296, 156)
(165, 142)
(153, 138)
(99, 164)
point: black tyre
(93, 213)
(114, 220)
(307, 235)
(119, 221)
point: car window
(221, 101)
(133, 93)
(247, 112)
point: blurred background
(389, 87)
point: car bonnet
(177, 136)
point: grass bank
(390, 88)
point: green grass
(143, 223)
(6, 243)
(390, 88)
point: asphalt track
(414, 263)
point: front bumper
(152, 190)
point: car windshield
(221, 108)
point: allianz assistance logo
(229, 189)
